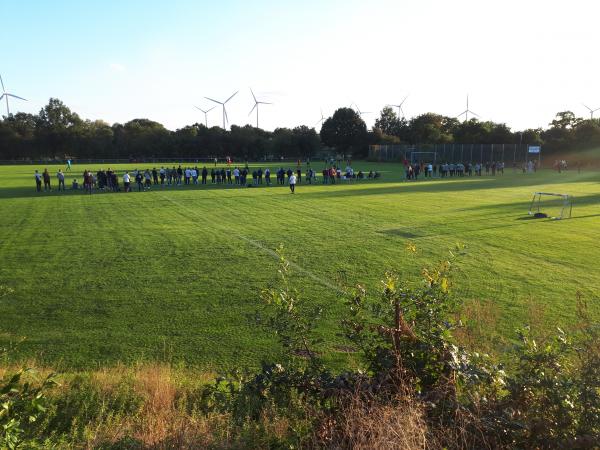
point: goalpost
(423, 157)
(550, 204)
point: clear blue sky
(520, 61)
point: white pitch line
(259, 246)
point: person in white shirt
(126, 181)
(38, 181)
(292, 181)
(61, 179)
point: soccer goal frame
(565, 211)
(431, 160)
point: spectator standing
(61, 179)
(46, 177)
(139, 179)
(38, 181)
(126, 181)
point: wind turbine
(467, 111)
(205, 114)
(6, 95)
(400, 110)
(256, 103)
(225, 119)
(592, 111)
(320, 121)
(360, 113)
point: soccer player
(292, 181)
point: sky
(520, 62)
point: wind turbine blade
(475, 114)
(225, 112)
(587, 106)
(2, 96)
(402, 103)
(231, 97)
(597, 109)
(209, 109)
(199, 109)
(2, 82)
(253, 108)
(16, 96)
(263, 103)
(207, 98)
(253, 96)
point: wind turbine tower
(321, 120)
(6, 95)
(205, 114)
(225, 119)
(592, 111)
(400, 110)
(467, 111)
(256, 103)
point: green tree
(432, 128)
(55, 128)
(306, 141)
(345, 131)
(389, 123)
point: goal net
(552, 205)
(423, 157)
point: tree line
(58, 132)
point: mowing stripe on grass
(259, 246)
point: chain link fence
(451, 153)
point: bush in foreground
(417, 387)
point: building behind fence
(507, 153)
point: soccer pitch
(175, 273)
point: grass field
(174, 273)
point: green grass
(174, 274)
